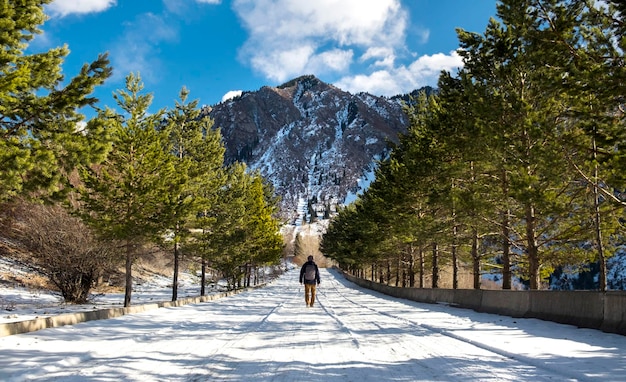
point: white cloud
(335, 60)
(231, 94)
(427, 68)
(137, 49)
(281, 64)
(291, 37)
(383, 56)
(176, 7)
(403, 79)
(424, 35)
(182, 8)
(376, 52)
(333, 38)
(62, 8)
(381, 82)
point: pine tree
(521, 116)
(593, 59)
(199, 157)
(240, 229)
(129, 197)
(41, 138)
(263, 231)
(343, 238)
(470, 173)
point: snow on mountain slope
(313, 141)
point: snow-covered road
(351, 334)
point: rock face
(314, 142)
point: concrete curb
(28, 326)
(604, 311)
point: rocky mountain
(315, 143)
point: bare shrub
(53, 243)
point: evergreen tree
(343, 239)
(265, 242)
(592, 56)
(470, 203)
(129, 197)
(298, 248)
(41, 138)
(395, 230)
(509, 64)
(240, 230)
(199, 157)
(398, 214)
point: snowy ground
(20, 304)
(352, 334)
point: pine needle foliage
(129, 197)
(43, 136)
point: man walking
(310, 275)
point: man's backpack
(309, 272)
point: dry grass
(153, 262)
(27, 280)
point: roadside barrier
(605, 311)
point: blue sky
(217, 47)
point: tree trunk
(506, 241)
(398, 265)
(475, 259)
(506, 251)
(176, 265)
(411, 265)
(129, 275)
(455, 262)
(435, 283)
(203, 278)
(531, 248)
(421, 266)
(455, 234)
(596, 222)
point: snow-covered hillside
(313, 141)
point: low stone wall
(19, 327)
(605, 311)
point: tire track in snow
(441, 331)
(395, 342)
(236, 340)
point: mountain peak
(313, 141)
(308, 81)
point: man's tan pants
(309, 294)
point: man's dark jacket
(317, 273)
